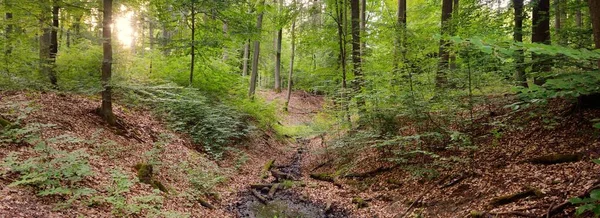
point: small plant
(591, 204)
(53, 172)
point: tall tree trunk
(557, 20)
(292, 56)
(193, 59)
(150, 33)
(245, 58)
(518, 36)
(278, 50)
(363, 26)
(401, 35)
(106, 109)
(54, 43)
(356, 58)
(225, 34)
(441, 78)
(256, 54)
(578, 15)
(541, 34)
(595, 17)
(341, 40)
(8, 37)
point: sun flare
(123, 27)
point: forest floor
(466, 180)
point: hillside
(465, 181)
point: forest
(300, 108)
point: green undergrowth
(61, 167)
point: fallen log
(327, 178)
(282, 176)
(273, 190)
(371, 173)
(205, 204)
(261, 198)
(556, 159)
(507, 199)
(478, 214)
(260, 186)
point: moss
(360, 203)
(144, 172)
(265, 171)
(5, 124)
(507, 199)
(158, 185)
(476, 214)
(323, 177)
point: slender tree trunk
(441, 78)
(8, 37)
(278, 52)
(225, 34)
(595, 17)
(245, 58)
(363, 26)
(341, 41)
(518, 36)
(54, 43)
(400, 39)
(256, 54)
(356, 58)
(541, 34)
(151, 33)
(453, 29)
(557, 20)
(292, 56)
(106, 109)
(193, 59)
(578, 15)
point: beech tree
(595, 17)
(106, 109)
(520, 76)
(256, 54)
(444, 55)
(540, 34)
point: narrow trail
(284, 187)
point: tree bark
(518, 36)
(225, 35)
(8, 37)
(193, 58)
(256, 54)
(441, 78)
(54, 42)
(595, 17)
(106, 109)
(341, 40)
(245, 58)
(292, 56)
(578, 15)
(363, 26)
(541, 34)
(278, 52)
(356, 58)
(401, 36)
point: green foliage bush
(591, 204)
(52, 172)
(211, 124)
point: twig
(417, 200)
